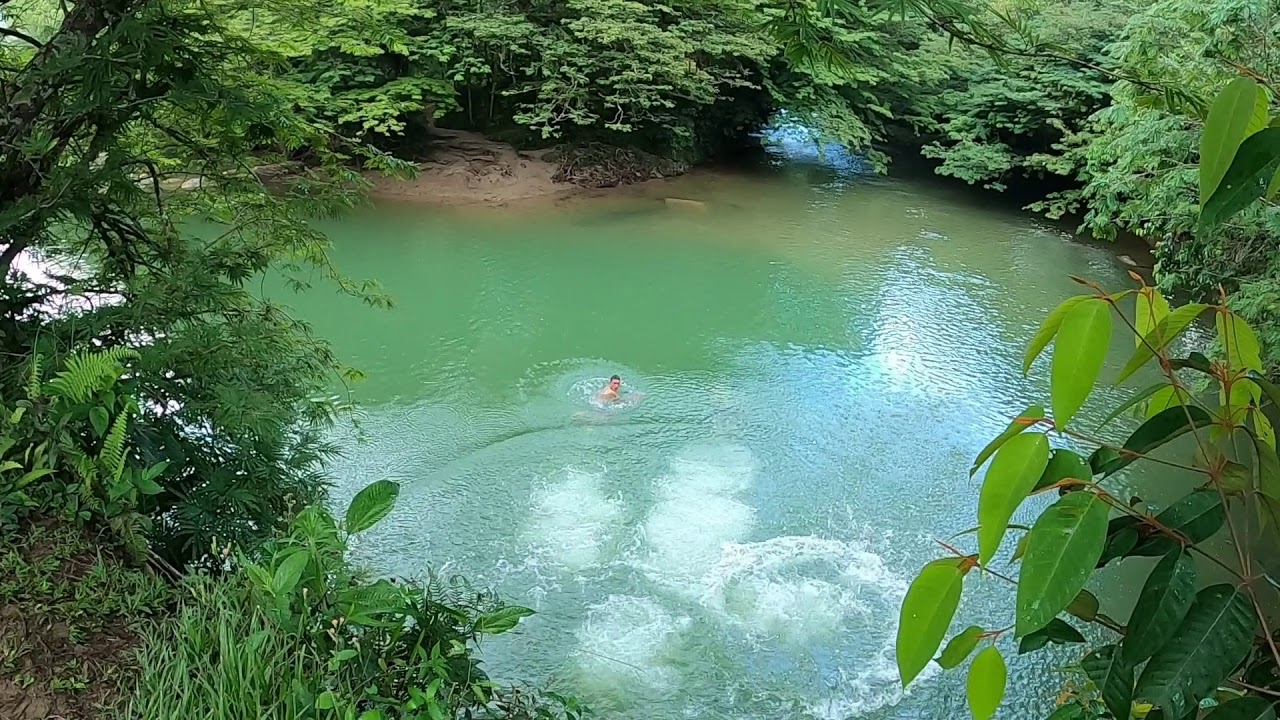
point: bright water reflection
(821, 356)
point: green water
(820, 357)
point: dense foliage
(1102, 104)
(1190, 641)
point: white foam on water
(697, 513)
(625, 639)
(572, 519)
(806, 591)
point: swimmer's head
(615, 382)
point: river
(810, 363)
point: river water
(811, 362)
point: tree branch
(10, 32)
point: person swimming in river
(610, 392)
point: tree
(101, 119)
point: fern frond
(111, 457)
(34, 379)
(85, 374)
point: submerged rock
(681, 202)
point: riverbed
(811, 357)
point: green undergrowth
(292, 630)
(71, 614)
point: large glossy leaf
(1246, 708)
(987, 677)
(1165, 332)
(371, 505)
(1078, 353)
(1162, 604)
(1063, 548)
(1196, 516)
(1149, 309)
(1210, 642)
(960, 647)
(1165, 426)
(1246, 180)
(1064, 464)
(1049, 328)
(1013, 473)
(1026, 419)
(1112, 676)
(1225, 128)
(1239, 341)
(926, 613)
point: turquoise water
(812, 361)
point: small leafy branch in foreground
(1188, 648)
(295, 631)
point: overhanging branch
(10, 32)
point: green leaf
(289, 572)
(1113, 677)
(1085, 606)
(1165, 426)
(502, 620)
(1169, 397)
(1224, 130)
(1033, 641)
(1150, 308)
(1246, 180)
(987, 677)
(1119, 543)
(1240, 342)
(99, 419)
(1063, 548)
(1013, 473)
(325, 701)
(1267, 467)
(1026, 419)
(1133, 401)
(1060, 632)
(1064, 464)
(1078, 353)
(1235, 478)
(960, 646)
(1070, 711)
(1161, 606)
(1196, 516)
(371, 505)
(1193, 361)
(31, 477)
(1165, 332)
(926, 613)
(1212, 640)
(146, 485)
(1050, 328)
(1246, 708)
(1270, 389)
